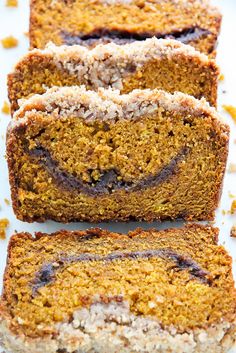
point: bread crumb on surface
(232, 196)
(233, 231)
(6, 108)
(232, 168)
(7, 202)
(4, 223)
(233, 207)
(231, 110)
(221, 77)
(12, 3)
(9, 42)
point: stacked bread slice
(96, 291)
(116, 120)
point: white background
(15, 21)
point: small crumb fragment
(12, 3)
(224, 212)
(233, 207)
(9, 42)
(26, 34)
(233, 231)
(4, 223)
(6, 108)
(231, 110)
(7, 202)
(221, 77)
(232, 168)
(232, 196)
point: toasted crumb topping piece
(9, 42)
(6, 108)
(233, 231)
(4, 223)
(232, 168)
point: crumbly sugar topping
(114, 324)
(108, 64)
(108, 104)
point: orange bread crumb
(233, 207)
(231, 110)
(7, 202)
(3, 225)
(232, 196)
(9, 42)
(221, 77)
(6, 108)
(12, 3)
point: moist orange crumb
(233, 207)
(231, 110)
(7, 202)
(6, 108)
(233, 231)
(221, 77)
(9, 42)
(3, 225)
(12, 3)
(232, 196)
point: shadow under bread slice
(88, 23)
(162, 64)
(78, 155)
(168, 291)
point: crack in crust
(108, 181)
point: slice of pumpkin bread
(164, 64)
(89, 22)
(78, 155)
(168, 291)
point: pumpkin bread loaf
(164, 64)
(78, 155)
(93, 291)
(89, 22)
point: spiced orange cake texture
(95, 291)
(114, 119)
(80, 155)
(88, 22)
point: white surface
(15, 21)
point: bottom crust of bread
(112, 328)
